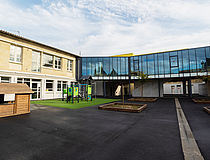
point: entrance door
(36, 88)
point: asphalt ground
(199, 122)
(91, 134)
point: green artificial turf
(76, 105)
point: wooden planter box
(201, 101)
(21, 102)
(143, 99)
(207, 109)
(127, 107)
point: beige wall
(26, 62)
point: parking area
(92, 134)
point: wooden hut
(14, 99)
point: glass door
(36, 88)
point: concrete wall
(203, 89)
(100, 88)
(150, 89)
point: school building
(47, 70)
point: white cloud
(110, 27)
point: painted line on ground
(189, 145)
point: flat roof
(32, 41)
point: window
(5, 79)
(47, 60)
(27, 81)
(49, 85)
(64, 84)
(69, 65)
(20, 80)
(35, 61)
(15, 53)
(59, 86)
(57, 62)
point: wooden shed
(14, 99)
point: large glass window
(173, 63)
(132, 66)
(47, 60)
(192, 60)
(84, 66)
(144, 64)
(49, 85)
(201, 59)
(118, 66)
(161, 65)
(15, 53)
(156, 64)
(93, 67)
(185, 61)
(88, 66)
(180, 61)
(114, 72)
(150, 61)
(208, 58)
(110, 66)
(36, 61)
(57, 62)
(123, 66)
(126, 66)
(106, 66)
(166, 63)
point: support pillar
(189, 88)
(129, 87)
(159, 87)
(104, 89)
(184, 87)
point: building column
(104, 89)
(189, 88)
(158, 87)
(129, 88)
(184, 87)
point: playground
(75, 105)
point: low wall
(150, 89)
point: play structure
(78, 92)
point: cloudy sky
(108, 27)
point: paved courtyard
(90, 134)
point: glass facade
(182, 63)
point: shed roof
(14, 88)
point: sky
(109, 27)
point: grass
(76, 105)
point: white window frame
(5, 81)
(15, 54)
(57, 64)
(43, 60)
(36, 63)
(49, 89)
(59, 88)
(70, 65)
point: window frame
(56, 62)
(43, 60)
(15, 53)
(70, 65)
(51, 88)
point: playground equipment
(77, 92)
